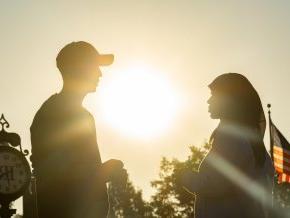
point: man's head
(79, 64)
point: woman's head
(234, 98)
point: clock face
(14, 173)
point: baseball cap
(79, 53)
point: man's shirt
(65, 156)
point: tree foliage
(127, 201)
(169, 200)
(281, 198)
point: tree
(169, 200)
(126, 201)
(281, 198)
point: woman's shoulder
(232, 139)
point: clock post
(15, 173)
(6, 211)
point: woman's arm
(228, 163)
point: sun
(138, 102)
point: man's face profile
(90, 77)
(84, 77)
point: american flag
(280, 153)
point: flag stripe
(281, 153)
(283, 178)
(281, 150)
(282, 166)
(281, 170)
(279, 157)
(282, 162)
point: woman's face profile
(217, 104)
(212, 109)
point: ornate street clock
(15, 171)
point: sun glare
(138, 102)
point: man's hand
(113, 171)
(112, 164)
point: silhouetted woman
(235, 178)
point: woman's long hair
(244, 107)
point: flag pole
(270, 123)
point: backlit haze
(152, 101)
(139, 102)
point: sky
(186, 43)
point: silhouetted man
(71, 179)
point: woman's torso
(242, 188)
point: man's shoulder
(50, 102)
(58, 109)
(47, 110)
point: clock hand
(2, 168)
(2, 174)
(6, 175)
(8, 179)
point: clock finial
(3, 122)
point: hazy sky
(188, 42)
